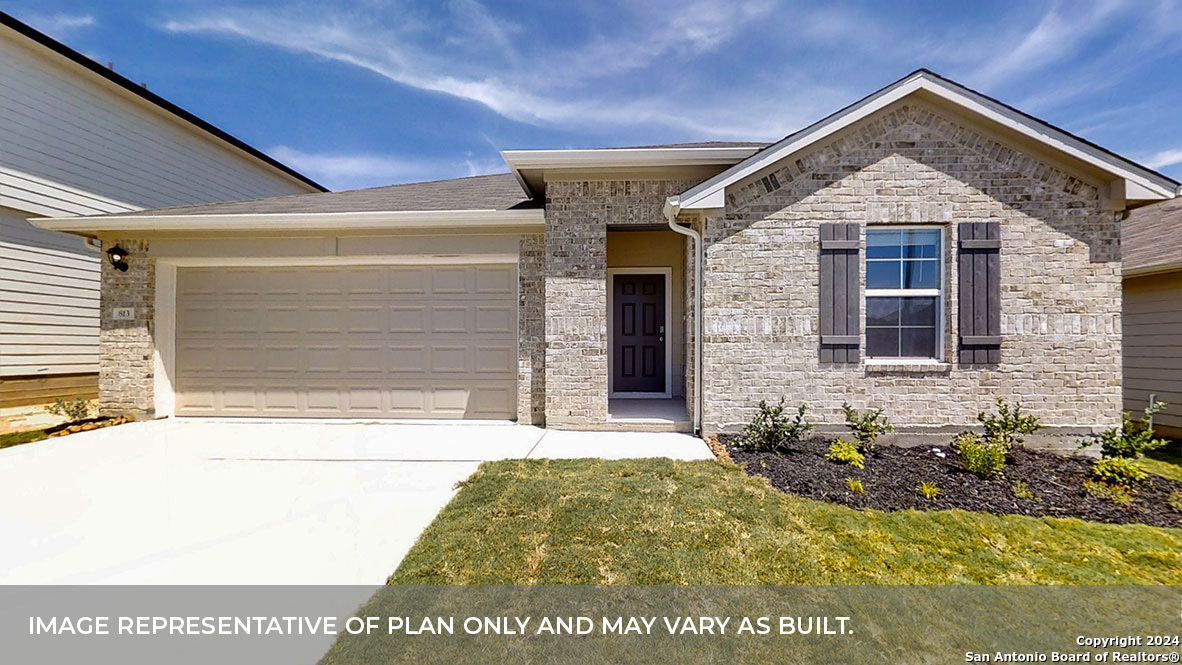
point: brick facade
(1060, 266)
(126, 349)
(531, 342)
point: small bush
(981, 457)
(856, 485)
(1008, 426)
(1118, 471)
(1175, 501)
(1132, 439)
(771, 429)
(845, 453)
(72, 410)
(866, 426)
(1114, 493)
(929, 491)
(1022, 492)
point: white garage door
(436, 341)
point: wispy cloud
(1164, 158)
(59, 26)
(355, 170)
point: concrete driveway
(215, 502)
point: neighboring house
(1152, 253)
(924, 250)
(78, 139)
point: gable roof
(1138, 182)
(140, 91)
(1151, 239)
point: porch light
(118, 257)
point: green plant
(981, 457)
(856, 485)
(1114, 493)
(845, 453)
(1118, 471)
(1008, 425)
(1132, 439)
(72, 410)
(1022, 492)
(866, 426)
(772, 429)
(1175, 501)
(929, 491)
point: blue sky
(358, 94)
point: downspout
(672, 207)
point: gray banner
(548, 624)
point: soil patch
(892, 476)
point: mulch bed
(892, 475)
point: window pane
(915, 312)
(882, 311)
(882, 342)
(921, 243)
(918, 342)
(882, 274)
(920, 275)
(883, 244)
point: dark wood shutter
(980, 293)
(840, 293)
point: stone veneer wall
(126, 349)
(578, 213)
(531, 343)
(1060, 262)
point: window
(904, 293)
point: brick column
(126, 347)
(531, 345)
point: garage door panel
(356, 341)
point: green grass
(1165, 461)
(661, 522)
(17, 438)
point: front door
(638, 334)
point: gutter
(672, 207)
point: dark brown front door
(638, 334)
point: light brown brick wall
(126, 349)
(1061, 289)
(531, 344)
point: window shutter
(980, 293)
(840, 293)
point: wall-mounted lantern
(118, 257)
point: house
(1151, 243)
(78, 139)
(924, 250)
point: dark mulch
(892, 475)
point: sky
(368, 93)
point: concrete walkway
(233, 502)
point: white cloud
(59, 26)
(1164, 158)
(339, 171)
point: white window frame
(937, 293)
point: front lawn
(1165, 461)
(657, 521)
(17, 438)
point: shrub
(1132, 439)
(1114, 493)
(866, 426)
(1118, 471)
(981, 457)
(72, 410)
(772, 429)
(846, 453)
(856, 485)
(1022, 492)
(929, 491)
(1175, 501)
(1008, 425)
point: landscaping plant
(72, 410)
(845, 452)
(855, 485)
(1132, 439)
(981, 457)
(1008, 425)
(1118, 471)
(866, 426)
(1114, 493)
(772, 429)
(1022, 492)
(1175, 501)
(929, 491)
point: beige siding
(1153, 346)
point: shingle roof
(700, 144)
(1151, 238)
(485, 192)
